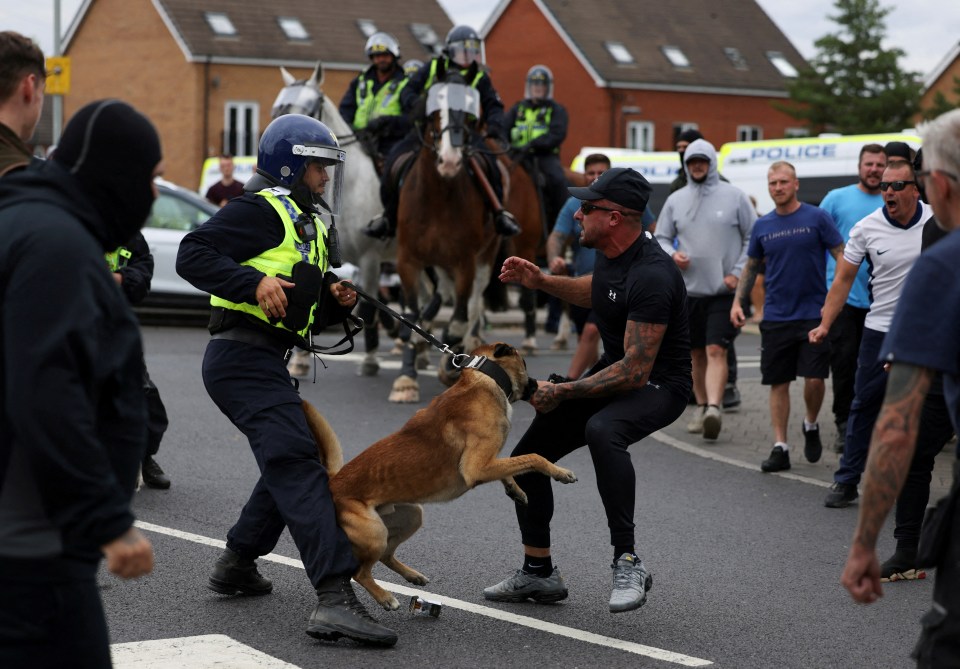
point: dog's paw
(390, 604)
(565, 476)
(517, 495)
(417, 579)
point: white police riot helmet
(382, 43)
(463, 46)
(293, 141)
(539, 75)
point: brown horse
(444, 220)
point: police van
(243, 167)
(823, 163)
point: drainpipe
(206, 110)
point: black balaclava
(112, 150)
(688, 135)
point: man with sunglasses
(639, 386)
(922, 340)
(889, 239)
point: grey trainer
(522, 586)
(631, 581)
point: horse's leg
(406, 389)
(528, 304)
(476, 305)
(456, 330)
(370, 282)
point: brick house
(634, 73)
(943, 79)
(207, 73)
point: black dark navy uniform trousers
(251, 386)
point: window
(640, 135)
(783, 65)
(736, 58)
(619, 53)
(240, 128)
(676, 56)
(749, 133)
(293, 29)
(367, 27)
(220, 24)
(681, 127)
(427, 37)
(796, 132)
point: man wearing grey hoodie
(705, 226)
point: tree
(940, 104)
(854, 84)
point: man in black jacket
(72, 426)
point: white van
(243, 167)
(823, 163)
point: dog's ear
(501, 349)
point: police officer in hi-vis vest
(372, 101)
(463, 47)
(132, 267)
(538, 126)
(264, 260)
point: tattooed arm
(641, 341)
(747, 278)
(891, 450)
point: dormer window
(783, 65)
(367, 27)
(619, 53)
(293, 29)
(736, 58)
(220, 24)
(676, 56)
(426, 36)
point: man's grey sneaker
(731, 397)
(712, 420)
(779, 461)
(631, 581)
(340, 614)
(812, 446)
(233, 575)
(841, 495)
(523, 586)
(695, 426)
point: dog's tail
(328, 445)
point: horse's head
(300, 97)
(453, 113)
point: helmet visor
(466, 51)
(326, 183)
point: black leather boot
(505, 224)
(153, 476)
(340, 614)
(233, 574)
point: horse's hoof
(369, 368)
(397, 347)
(405, 391)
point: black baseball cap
(899, 150)
(621, 185)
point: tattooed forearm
(641, 342)
(747, 278)
(891, 448)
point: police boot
(340, 614)
(505, 224)
(153, 476)
(233, 574)
(379, 228)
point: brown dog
(443, 451)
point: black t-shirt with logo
(644, 285)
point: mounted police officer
(538, 126)
(462, 48)
(372, 101)
(264, 258)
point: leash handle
(436, 343)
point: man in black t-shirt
(640, 385)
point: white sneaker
(695, 426)
(711, 422)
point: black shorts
(710, 321)
(786, 352)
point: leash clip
(467, 361)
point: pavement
(746, 437)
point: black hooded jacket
(72, 427)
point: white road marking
(673, 442)
(193, 652)
(393, 365)
(526, 621)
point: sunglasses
(895, 185)
(587, 207)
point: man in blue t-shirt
(793, 240)
(846, 206)
(922, 340)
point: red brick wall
(944, 84)
(522, 37)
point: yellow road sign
(58, 75)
